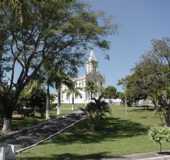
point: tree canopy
(150, 77)
(34, 31)
(110, 92)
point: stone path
(148, 156)
(32, 136)
(141, 156)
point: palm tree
(96, 111)
(49, 77)
(94, 85)
(61, 79)
(74, 92)
(91, 88)
(47, 108)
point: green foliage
(150, 78)
(35, 31)
(91, 88)
(73, 91)
(29, 89)
(94, 84)
(96, 111)
(31, 103)
(160, 135)
(120, 95)
(110, 92)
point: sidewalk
(142, 156)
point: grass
(123, 132)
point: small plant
(96, 111)
(160, 135)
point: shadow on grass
(68, 156)
(164, 153)
(141, 108)
(111, 129)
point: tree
(36, 29)
(61, 79)
(2, 39)
(58, 72)
(32, 99)
(151, 78)
(121, 96)
(134, 89)
(94, 84)
(74, 92)
(47, 116)
(110, 92)
(91, 89)
(160, 135)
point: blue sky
(139, 21)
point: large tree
(151, 78)
(36, 29)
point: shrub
(96, 111)
(160, 135)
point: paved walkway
(32, 136)
(144, 156)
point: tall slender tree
(94, 84)
(61, 79)
(91, 89)
(73, 91)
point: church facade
(91, 74)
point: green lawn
(122, 133)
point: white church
(91, 74)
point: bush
(96, 111)
(28, 105)
(160, 135)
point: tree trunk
(91, 96)
(7, 111)
(160, 147)
(59, 101)
(72, 102)
(7, 123)
(47, 103)
(2, 39)
(155, 102)
(167, 119)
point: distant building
(81, 82)
(145, 102)
(116, 101)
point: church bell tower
(91, 64)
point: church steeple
(91, 63)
